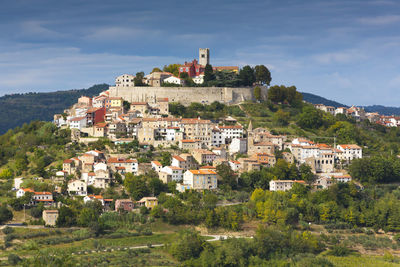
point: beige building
(77, 187)
(125, 80)
(203, 156)
(190, 144)
(148, 202)
(200, 179)
(261, 147)
(50, 217)
(283, 185)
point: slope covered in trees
(17, 109)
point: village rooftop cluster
(200, 145)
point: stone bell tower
(204, 56)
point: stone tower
(204, 56)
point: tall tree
(208, 74)
(173, 68)
(247, 75)
(263, 75)
(139, 79)
(5, 214)
(156, 70)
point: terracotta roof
(264, 144)
(93, 110)
(205, 172)
(178, 158)
(235, 161)
(147, 198)
(77, 119)
(265, 154)
(43, 193)
(230, 127)
(28, 190)
(50, 211)
(95, 196)
(194, 121)
(207, 167)
(188, 141)
(350, 146)
(101, 125)
(174, 168)
(156, 162)
(68, 161)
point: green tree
(247, 76)
(189, 245)
(227, 175)
(306, 173)
(172, 68)
(6, 174)
(90, 213)
(138, 80)
(156, 70)
(66, 217)
(166, 158)
(310, 118)
(5, 214)
(208, 74)
(281, 117)
(262, 74)
(136, 186)
(127, 106)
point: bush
(8, 230)
(339, 251)
(13, 259)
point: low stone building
(50, 217)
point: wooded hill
(17, 109)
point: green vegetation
(17, 109)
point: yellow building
(114, 102)
(148, 202)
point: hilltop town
(196, 146)
(159, 151)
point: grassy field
(365, 261)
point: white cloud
(348, 56)
(395, 82)
(37, 29)
(379, 20)
(117, 33)
(44, 69)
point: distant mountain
(383, 110)
(315, 99)
(17, 109)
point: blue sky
(346, 50)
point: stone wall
(186, 95)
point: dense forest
(17, 109)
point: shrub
(339, 251)
(8, 230)
(13, 259)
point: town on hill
(123, 172)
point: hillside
(315, 99)
(383, 110)
(18, 109)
